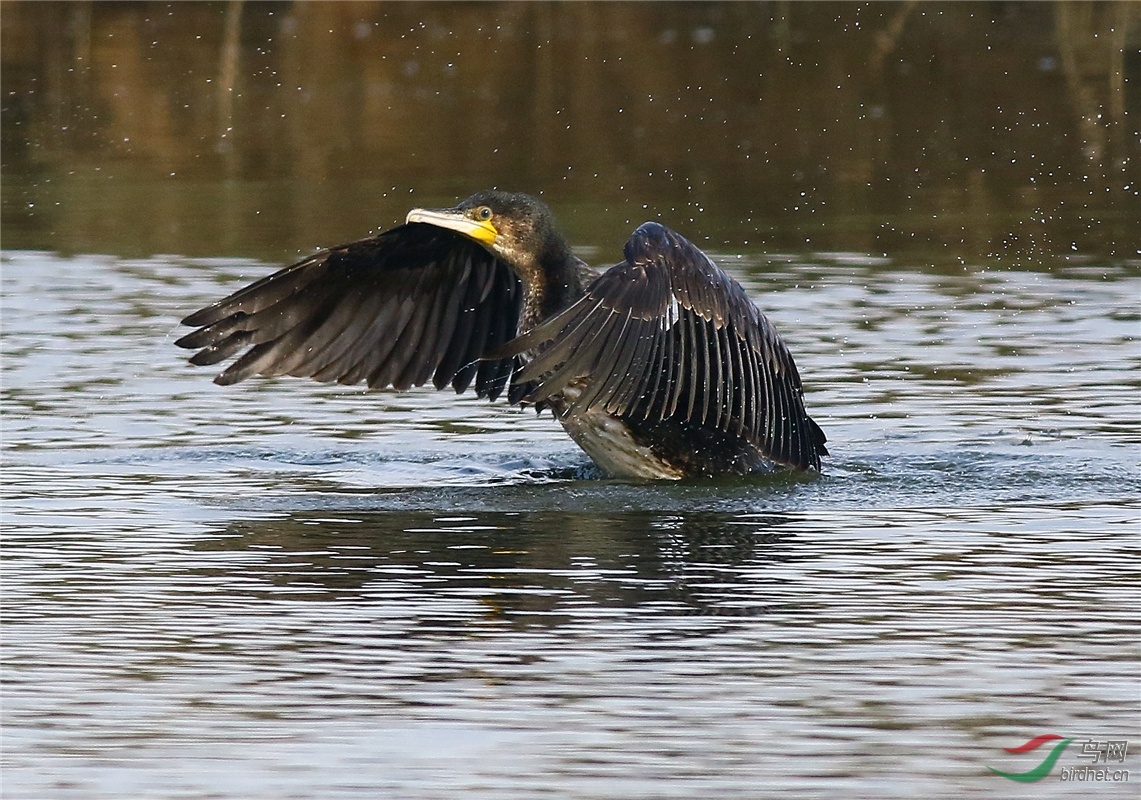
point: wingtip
(199, 318)
(227, 378)
(185, 342)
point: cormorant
(659, 367)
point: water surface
(284, 589)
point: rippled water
(283, 589)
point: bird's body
(660, 367)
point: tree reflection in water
(266, 128)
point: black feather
(398, 309)
(667, 337)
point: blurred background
(948, 131)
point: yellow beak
(482, 231)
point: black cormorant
(659, 367)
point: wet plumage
(660, 367)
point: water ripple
(339, 594)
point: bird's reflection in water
(524, 568)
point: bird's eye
(483, 213)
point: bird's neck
(552, 283)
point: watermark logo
(1043, 769)
(1099, 751)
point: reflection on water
(267, 128)
(461, 654)
(283, 589)
(530, 568)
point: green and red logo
(1043, 769)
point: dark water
(267, 129)
(288, 590)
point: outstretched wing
(667, 334)
(414, 304)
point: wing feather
(618, 370)
(644, 365)
(657, 379)
(667, 335)
(415, 304)
(609, 338)
(677, 368)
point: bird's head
(516, 227)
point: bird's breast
(609, 441)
